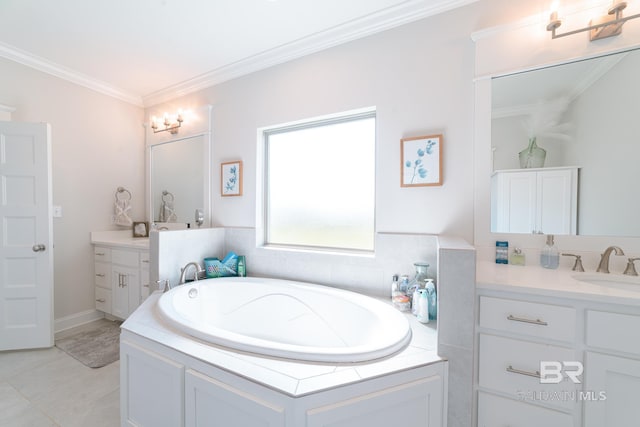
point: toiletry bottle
(242, 266)
(502, 252)
(404, 284)
(430, 290)
(517, 257)
(423, 308)
(395, 290)
(549, 256)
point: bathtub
(286, 319)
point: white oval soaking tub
(286, 319)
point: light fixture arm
(606, 26)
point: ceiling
(149, 51)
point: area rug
(95, 347)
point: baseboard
(77, 319)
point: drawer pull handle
(146, 261)
(145, 286)
(99, 275)
(513, 370)
(101, 300)
(100, 253)
(522, 319)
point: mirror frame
(506, 50)
(197, 123)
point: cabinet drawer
(499, 411)
(101, 254)
(513, 366)
(529, 318)
(126, 258)
(102, 275)
(144, 260)
(613, 331)
(103, 300)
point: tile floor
(50, 388)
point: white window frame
(262, 173)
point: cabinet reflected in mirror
(585, 116)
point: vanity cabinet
(517, 330)
(535, 200)
(515, 336)
(120, 277)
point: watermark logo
(553, 372)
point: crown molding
(392, 17)
(25, 58)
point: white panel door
(26, 236)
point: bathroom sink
(629, 283)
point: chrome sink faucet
(603, 267)
(183, 272)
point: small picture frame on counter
(140, 229)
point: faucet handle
(631, 268)
(577, 266)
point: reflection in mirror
(177, 179)
(584, 115)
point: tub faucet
(183, 272)
(603, 267)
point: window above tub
(319, 183)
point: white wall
(418, 76)
(97, 145)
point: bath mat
(95, 347)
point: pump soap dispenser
(549, 256)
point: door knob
(39, 247)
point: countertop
(556, 283)
(119, 238)
(294, 378)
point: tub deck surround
(561, 282)
(293, 378)
(119, 238)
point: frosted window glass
(321, 185)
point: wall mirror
(177, 180)
(584, 115)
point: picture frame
(421, 161)
(140, 229)
(231, 178)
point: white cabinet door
(212, 403)
(556, 201)
(515, 202)
(611, 388)
(125, 291)
(540, 200)
(151, 388)
(415, 404)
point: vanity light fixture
(599, 28)
(168, 123)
